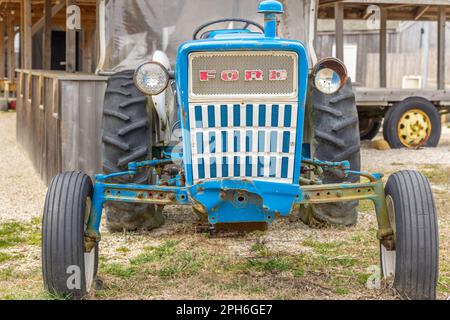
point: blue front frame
(265, 199)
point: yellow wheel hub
(414, 128)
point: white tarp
(135, 28)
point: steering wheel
(204, 26)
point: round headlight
(330, 75)
(327, 81)
(151, 78)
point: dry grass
(289, 261)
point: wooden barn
(50, 49)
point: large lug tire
(414, 122)
(68, 270)
(335, 137)
(369, 127)
(413, 265)
(127, 137)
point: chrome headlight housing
(151, 78)
(329, 75)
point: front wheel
(413, 265)
(68, 269)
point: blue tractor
(260, 136)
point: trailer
(410, 117)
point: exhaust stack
(270, 9)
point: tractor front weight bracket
(312, 193)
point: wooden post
(71, 45)
(383, 46)
(441, 49)
(88, 42)
(2, 50)
(339, 23)
(11, 57)
(47, 36)
(26, 34)
(97, 33)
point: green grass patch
(15, 233)
(366, 206)
(123, 249)
(342, 291)
(123, 271)
(5, 257)
(437, 174)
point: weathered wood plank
(339, 23)
(441, 50)
(383, 46)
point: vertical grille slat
(252, 140)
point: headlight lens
(327, 81)
(151, 78)
(330, 75)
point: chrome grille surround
(241, 61)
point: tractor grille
(265, 61)
(243, 140)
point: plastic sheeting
(135, 28)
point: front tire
(68, 270)
(413, 265)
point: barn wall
(404, 54)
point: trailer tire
(335, 137)
(68, 271)
(369, 127)
(413, 216)
(127, 137)
(414, 106)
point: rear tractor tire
(412, 267)
(335, 137)
(68, 270)
(127, 137)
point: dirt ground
(289, 261)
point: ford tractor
(243, 130)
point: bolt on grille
(250, 140)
